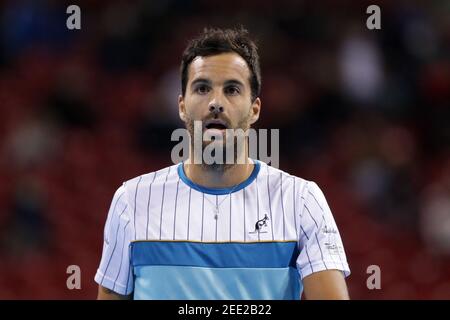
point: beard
(228, 151)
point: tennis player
(223, 230)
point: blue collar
(219, 191)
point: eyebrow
(208, 82)
(201, 80)
(235, 82)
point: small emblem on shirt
(333, 249)
(326, 229)
(260, 224)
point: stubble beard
(237, 151)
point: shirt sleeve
(115, 272)
(320, 243)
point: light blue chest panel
(233, 270)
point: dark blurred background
(364, 113)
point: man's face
(222, 82)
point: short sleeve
(115, 272)
(320, 243)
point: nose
(215, 109)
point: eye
(232, 90)
(202, 89)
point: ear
(181, 108)
(255, 109)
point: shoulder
(132, 187)
(276, 176)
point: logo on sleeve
(328, 230)
(334, 249)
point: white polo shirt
(164, 240)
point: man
(221, 231)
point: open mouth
(216, 124)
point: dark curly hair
(215, 41)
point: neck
(210, 177)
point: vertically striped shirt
(162, 239)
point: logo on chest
(261, 225)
